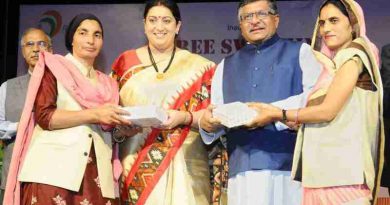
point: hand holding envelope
(140, 116)
(234, 114)
(268, 114)
(146, 115)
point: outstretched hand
(111, 114)
(265, 114)
(175, 118)
(208, 122)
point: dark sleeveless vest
(14, 102)
(267, 73)
(15, 97)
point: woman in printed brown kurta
(68, 158)
(42, 194)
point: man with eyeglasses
(13, 94)
(267, 69)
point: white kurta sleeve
(7, 128)
(216, 99)
(311, 70)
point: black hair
(74, 24)
(338, 4)
(171, 5)
(271, 3)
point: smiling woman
(339, 151)
(164, 75)
(335, 26)
(161, 27)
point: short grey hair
(271, 3)
(31, 29)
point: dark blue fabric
(267, 73)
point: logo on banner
(51, 22)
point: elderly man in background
(13, 94)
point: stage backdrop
(209, 29)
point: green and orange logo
(51, 22)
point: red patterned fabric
(122, 64)
(147, 170)
(89, 194)
(161, 146)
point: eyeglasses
(40, 44)
(248, 17)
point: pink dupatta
(345, 193)
(88, 95)
(356, 14)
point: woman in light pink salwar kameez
(339, 149)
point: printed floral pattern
(97, 181)
(43, 194)
(34, 200)
(85, 202)
(89, 160)
(59, 200)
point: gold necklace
(160, 75)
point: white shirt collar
(83, 69)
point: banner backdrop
(209, 29)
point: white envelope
(146, 116)
(234, 114)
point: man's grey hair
(27, 31)
(271, 3)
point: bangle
(296, 116)
(284, 115)
(191, 118)
(117, 139)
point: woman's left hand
(265, 114)
(175, 118)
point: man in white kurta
(267, 69)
